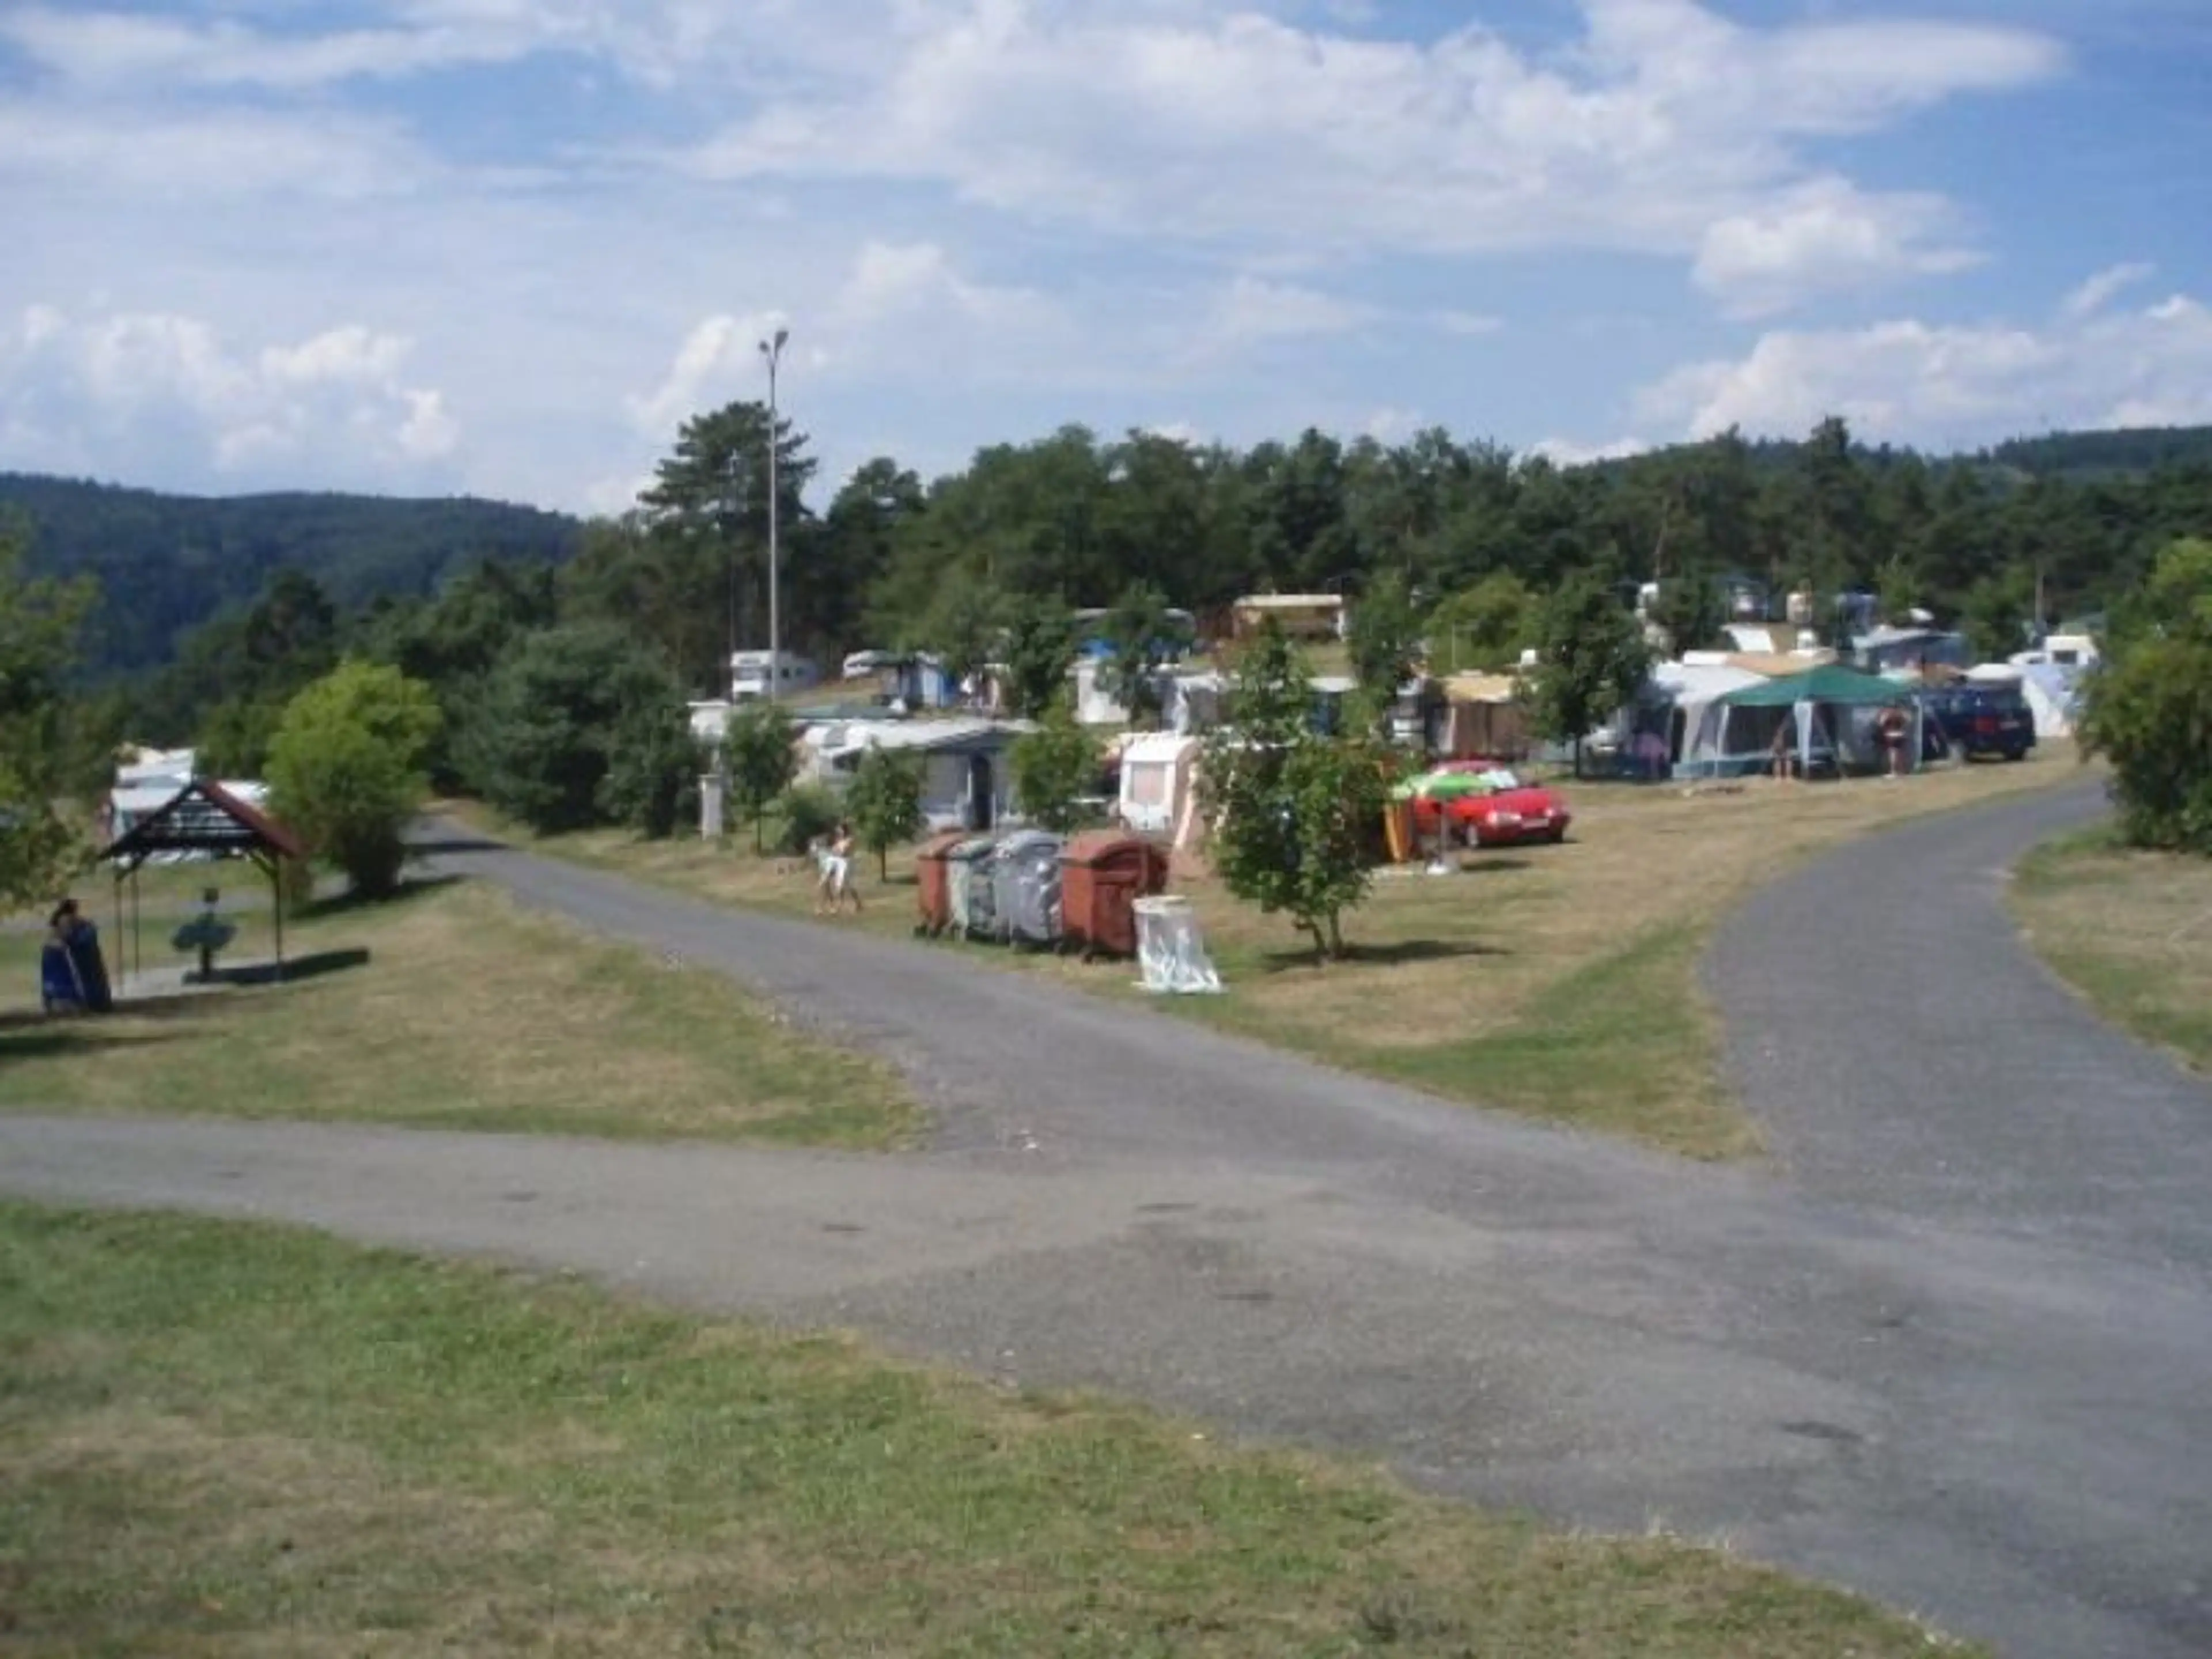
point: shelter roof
(1291, 602)
(1830, 683)
(925, 735)
(205, 817)
(1481, 688)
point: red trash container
(931, 892)
(1102, 875)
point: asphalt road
(1956, 1353)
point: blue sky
(506, 247)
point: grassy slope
(1558, 981)
(2132, 931)
(218, 1439)
(468, 1013)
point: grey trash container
(1014, 884)
(964, 872)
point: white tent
(1680, 707)
(2053, 692)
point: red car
(1524, 812)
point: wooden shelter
(204, 817)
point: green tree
(345, 768)
(556, 712)
(707, 507)
(1486, 626)
(1592, 660)
(40, 620)
(451, 642)
(1692, 609)
(1995, 617)
(759, 755)
(962, 629)
(1040, 646)
(1898, 585)
(1054, 767)
(1141, 637)
(884, 801)
(1385, 641)
(1292, 809)
(653, 767)
(2148, 706)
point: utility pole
(772, 350)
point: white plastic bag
(1169, 951)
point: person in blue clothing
(72, 976)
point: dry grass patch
(273, 1443)
(2131, 931)
(1558, 981)
(466, 1014)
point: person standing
(1890, 725)
(841, 849)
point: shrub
(1053, 767)
(344, 769)
(809, 811)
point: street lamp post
(772, 350)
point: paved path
(1911, 1386)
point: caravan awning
(1829, 684)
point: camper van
(763, 674)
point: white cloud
(1389, 426)
(905, 279)
(652, 41)
(1565, 452)
(1948, 385)
(1824, 237)
(1669, 130)
(230, 152)
(2107, 285)
(336, 406)
(1468, 324)
(1253, 308)
(718, 361)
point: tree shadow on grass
(74, 1039)
(1399, 953)
(293, 969)
(28, 1034)
(350, 903)
(451, 838)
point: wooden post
(276, 893)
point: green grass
(1560, 982)
(2131, 930)
(451, 1008)
(218, 1439)
(1610, 1048)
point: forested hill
(2084, 455)
(168, 563)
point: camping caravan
(967, 778)
(1159, 780)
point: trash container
(1102, 875)
(933, 894)
(962, 862)
(1013, 883)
